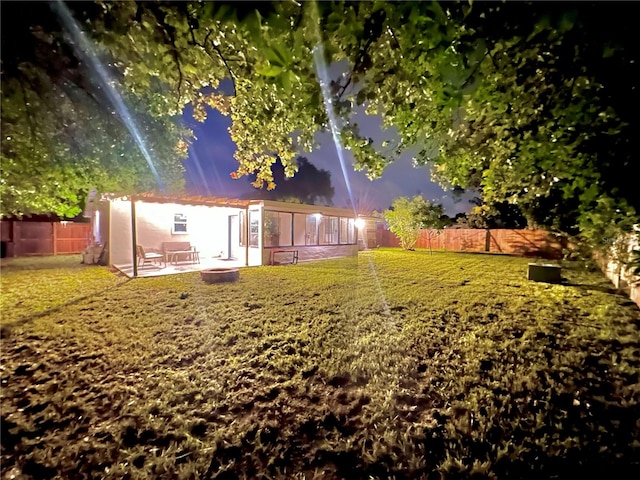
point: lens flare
(86, 52)
(324, 82)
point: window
(312, 230)
(179, 224)
(344, 229)
(347, 231)
(335, 228)
(329, 230)
(271, 229)
(352, 230)
(254, 228)
(299, 229)
(242, 224)
(277, 229)
(285, 229)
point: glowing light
(324, 81)
(360, 223)
(97, 237)
(86, 53)
(317, 215)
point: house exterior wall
(120, 247)
(367, 234)
(207, 227)
(255, 251)
(308, 253)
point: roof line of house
(223, 202)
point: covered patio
(151, 235)
(156, 269)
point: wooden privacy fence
(21, 239)
(515, 242)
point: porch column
(134, 237)
(246, 236)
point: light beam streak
(324, 82)
(86, 52)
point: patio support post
(134, 237)
(246, 236)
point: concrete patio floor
(158, 269)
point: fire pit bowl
(219, 275)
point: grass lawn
(394, 364)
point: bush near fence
(527, 243)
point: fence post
(487, 241)
(55, 237)
(17, 239)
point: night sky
(211, 161)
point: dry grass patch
(395, 364)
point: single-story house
(154, 235)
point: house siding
(313, 252)
(120, 246)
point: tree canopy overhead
(517, 100)
(61, 135)
(528, 103)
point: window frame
(254, 228)
(179, 219)
(242, 222)
(336, 230)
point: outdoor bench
(174, 251)
(294, 256)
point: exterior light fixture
(360, 223)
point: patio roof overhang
(187, 200)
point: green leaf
(270, 70)
(278, 56)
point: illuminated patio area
(157, 269)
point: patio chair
(143, 256)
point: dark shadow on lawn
(20, 264)
(596, 288)
(5, 330)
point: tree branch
(475, 69)
(233, 77)
(220, 56)
(361, 54)
(169, 35)
(299, 16)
